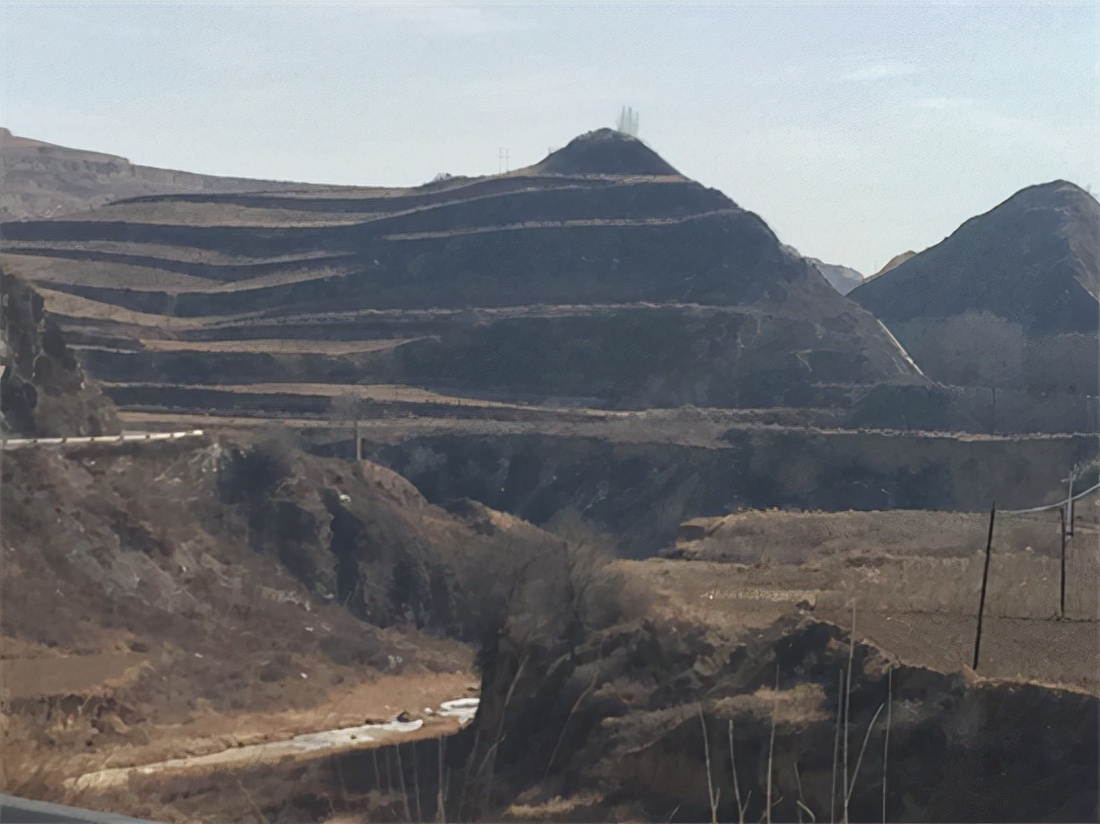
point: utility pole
(502, 160)
(985, 582)
(1074, 474)
(1062, 590)
(993, 426)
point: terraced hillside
(39, 179)
(599, 274)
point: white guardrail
(125, 437)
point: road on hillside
(125, 437)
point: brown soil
(914, 578)
(141, 622)
(275, 345)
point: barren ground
(914, 578)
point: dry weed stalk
(252, 803)
(561, 735)
(836, 744)
(489, 761)
(712, 796)
(416, 787)
(848, 705)
(401, 778)
(801, 802)
(736, 785)
(862, 750)
(441, 796)
(771, 749)
(886, 743)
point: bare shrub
(271, 459)
(278, 668)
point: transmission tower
(628, 121)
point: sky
(857, 131)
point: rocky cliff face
(643, 719)
(43, 389)
(641, 491)
(139, 524)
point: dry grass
(801, 704)
(796, 537)
(914, 577)
(185, 213)
(46, 270)
(277, 346)
(397, 393)
(61, 303)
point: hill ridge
(604, 222)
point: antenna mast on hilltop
(628, 121)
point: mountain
(600, 273)
(40, 179)
(893, 262)
(1032, 260)
(842, 278)
(1008, 300)
(605, 151)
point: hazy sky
(855, 131)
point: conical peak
(606, 151)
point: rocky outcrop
(43, 390)
(646, 718)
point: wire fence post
(1062, 590)
(1069, 504)
(985, 582)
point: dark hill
(599, 256)
(1032, 260)
(1008, 301)
(39, 179)
(605, 151)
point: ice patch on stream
(463, 709)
